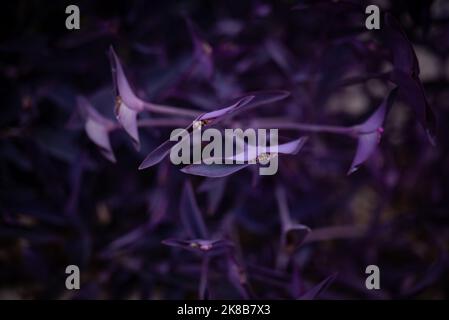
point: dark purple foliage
(358, 181)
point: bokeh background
(62, 202)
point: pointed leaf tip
(127, 104)
(370, 133)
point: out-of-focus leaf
(246, 102)
(202, 51)
(412, 92)
(211, 247)
(370, 132)
(191, 215)
(127, 104)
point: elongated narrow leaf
(220, 114)
(203, 246)
(314, 292)
(203, 292)
(293, 234)
(292, 147)
(412, 92)
(251, 155)
(244, 103)
(127, 104)
(406, 75)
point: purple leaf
(293, 234)
(212, 117)
(203, 292)
(158, 154)
(204, 120)
(250, 156)
(127, 104)
(412, 91)
(281, 56)
(215, 189)
(128, 119)
(97, 128)
(213, 170)
(202, 51)
(121, 85)
(246, 102)
(370, 132)
(191, 215)
(314, 292)
(404, 57)
(255, 154)
(366, 145)
(203, 246)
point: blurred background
(62, 202)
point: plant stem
(164, 109)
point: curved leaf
(191, 215)
(370, 132)
(127, 104)
(97, 128)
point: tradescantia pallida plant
(247, 111)
(87, 176)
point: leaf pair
(199, 241)
(370, 132)
(406, 75)
(202, 51)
